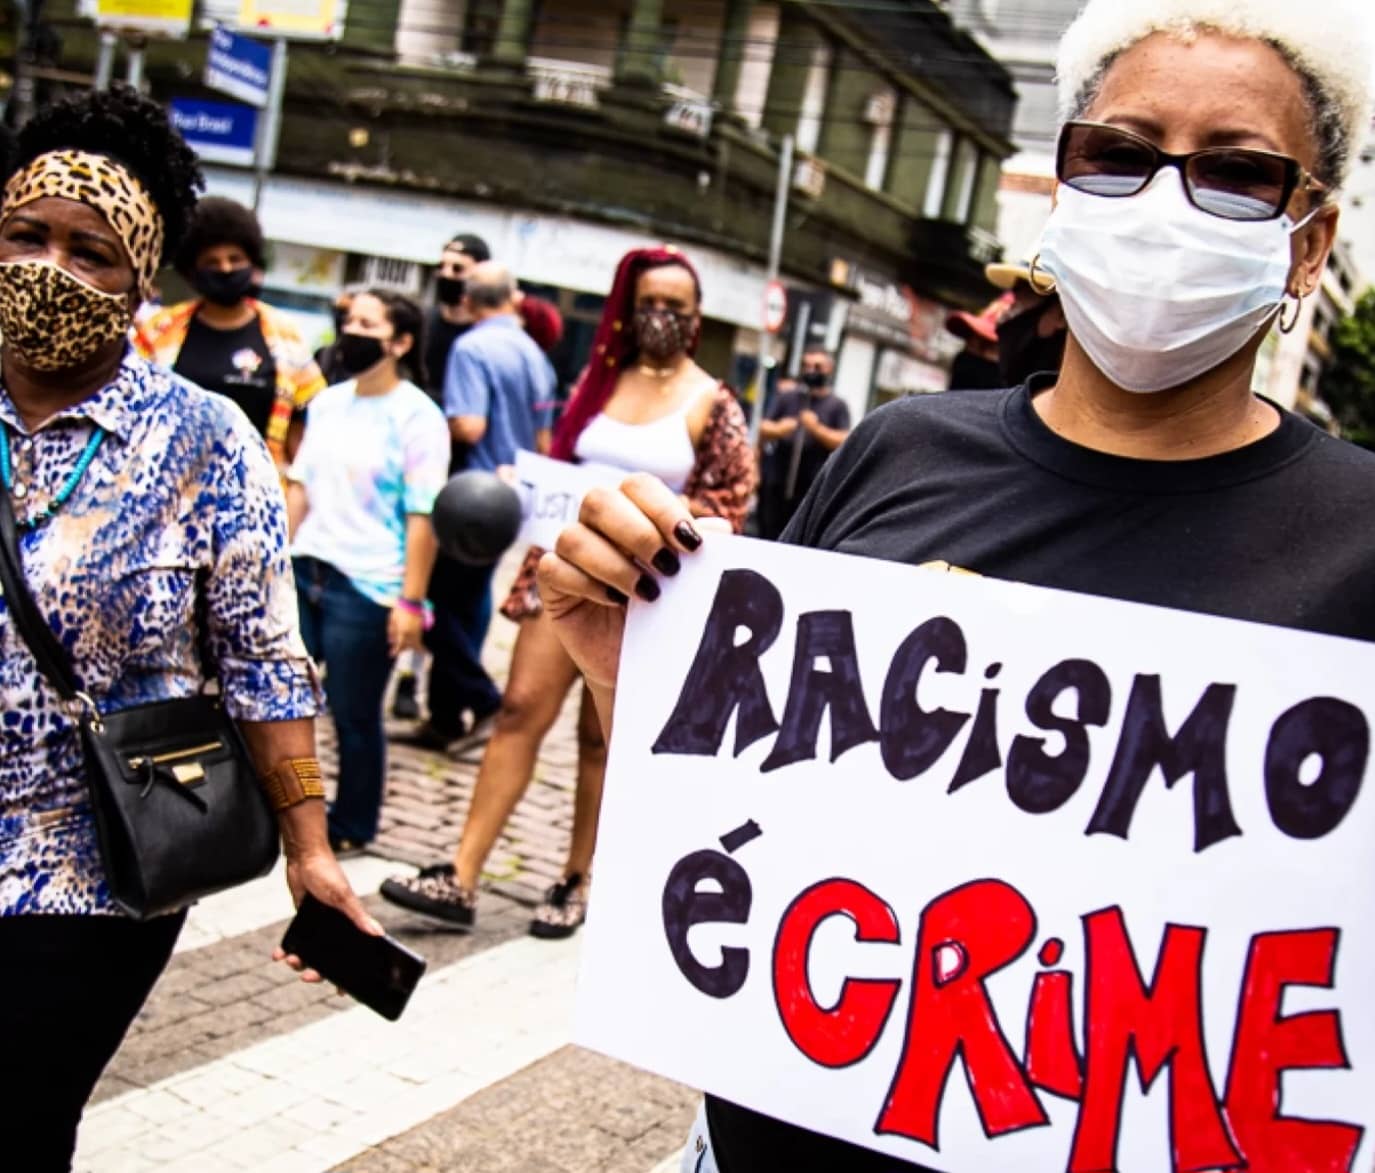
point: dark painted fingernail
(647, 588)
(690, 538)
(666, 562)
(617, 597)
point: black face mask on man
(1022, 351)
(970, 372)
(815, 380)
(226, 287)
(360, 352)
(450, 290)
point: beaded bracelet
(423, 611)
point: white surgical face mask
(1156, 291)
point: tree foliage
(1348, 384)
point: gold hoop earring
(1288, 327)
(1034, 272)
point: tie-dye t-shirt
(368, 461)
(181, 500)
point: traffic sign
(775, 306)
(219, 132)
(154, 17)
(239, 66)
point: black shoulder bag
(179, 810)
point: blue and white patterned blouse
(181, 488)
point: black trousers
(462, 598)
(69, 988)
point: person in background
(803, 427)
(447, 322)
(643, 404)
(976, 366)
(172, 544)
(228, 341)
(1033, 330)
(450, 318)
(498, 396)
(329, 358)
(542, 321)
(359, 497)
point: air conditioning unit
(809, 177)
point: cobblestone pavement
(234, 1064)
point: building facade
(566, 131)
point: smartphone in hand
(379, 972)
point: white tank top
(662, 447)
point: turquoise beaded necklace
(68, 486)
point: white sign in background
(913, 842)
(551, 493)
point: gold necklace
(657, 372)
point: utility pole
(780, 216)
(105, 61)
(270, 124)
(134, 72)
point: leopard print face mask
(54, 321)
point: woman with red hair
(643, 405)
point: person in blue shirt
(499, 386)
(499, 398)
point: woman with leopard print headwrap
(151, 527)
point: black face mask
(226, 287)
(814, 379)
(969, 372)
(450, 290)
(359, 352)
(1022, 352)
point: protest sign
(990, 877)
(551, 492)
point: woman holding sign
(1202, 145)
(643, 404)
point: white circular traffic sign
(775, 306)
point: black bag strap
(50, 655)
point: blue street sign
(238, 66)
(219, 132)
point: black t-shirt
(440, 335)
(234, 363)
(831, 410)
(1275, 532)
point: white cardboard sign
(551, 493)
(992, 878)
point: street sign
(219, 132)
(300, 20)
(238, 66)
(775, 306)
(154, 17)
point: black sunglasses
(1236, 183)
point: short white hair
(1330, 44)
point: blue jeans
(347, 633)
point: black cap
(473, 246)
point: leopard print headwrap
(104, 185)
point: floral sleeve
(724, 477)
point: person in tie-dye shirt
(374, 457)
(152, 536)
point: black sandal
(563, 911)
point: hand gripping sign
(991, 877)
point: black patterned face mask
(662, 334)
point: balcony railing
(568, 83)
